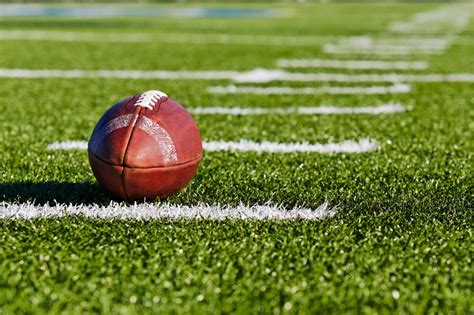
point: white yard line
(119, 74)
(352, 64)
(446, 19)
(405, 41)
(170, 38)
(269, 75)
(68, 145)
(349, 146)
(388, 46)
(363, 145)
(334, 90)
(252, 76)
(68, 36)
(388, 108)
(150, 211)
(387, 51)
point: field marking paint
(389, 51)
(352, 64)
(67, 36)
(269, 75)
(407, 42)
(388, 46)
(68, 145)
(348, 146)
(258, 75)
(388, 108)
(448, 18)
(151, 211)
(170, 38)
(363, 145)
(334, 90)
(120, 74)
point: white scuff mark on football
(114, 124)
(161, 137)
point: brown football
(146, 146)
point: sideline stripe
(352, 64)
(348, 146)
(233, 89)
(252, 76)
(150, 211)
(319, 110)
(171, 38)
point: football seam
(132, 127)
(150, 167)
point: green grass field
(400, 242)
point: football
(146, 146)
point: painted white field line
(150, 211)
(119, 74)
(352, 64)
(448, 18)
(388, 108)
(255, 76)
(335, 90)
(171, 38)
(349, 146)
(268, 75)
(68, 36)
(363, 145)
(68, 145)
(407, 42)
(388, 51)
(388, 46)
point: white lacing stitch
(148, 99)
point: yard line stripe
(368, 41)
(334, 90)
(388, 108)
(268, 75)
(151, 211)
(352, 64)
(171, 38)
(400, 51)
(447, 18)
(68, 145)
(397, 47)
(348, 146)
(253, 76)
(119, 74)
(388, 46)
(363, 145)
(68, 36)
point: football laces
(148, 99)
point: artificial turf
(402, 237)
